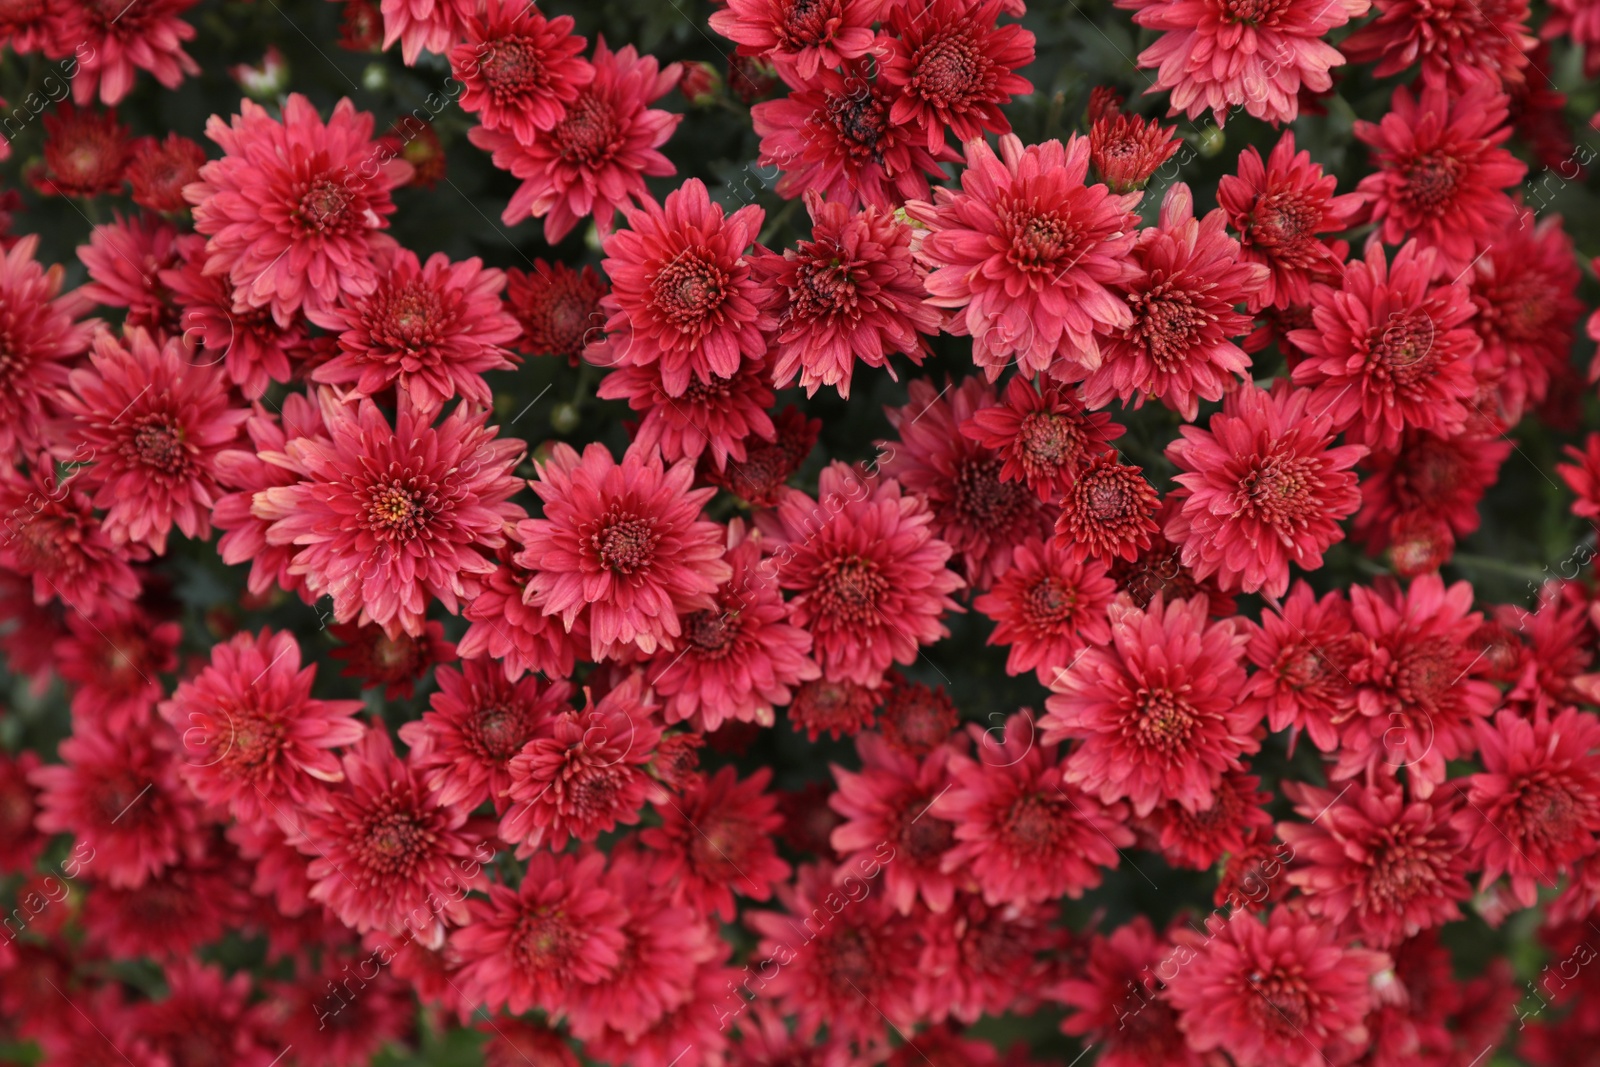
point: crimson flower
(519, 71)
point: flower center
(499, 732)
(626, 545)
(712, 632)
(924, 837)
(1034, 822)
(590, 132)
(397, 511)
(808, 23)
(158, 444)
(859, 116)
(1279, 490)
(1168, 322)
(512, 67)
(982, 499)
(1284, 221)
(948, 70)
(545, 940)
(391, 839)
(406, 319)
(1401, 350)
(848, 589)
(1164, 719)
(690, 289)
(1051, 604)
(1430, 182)
(1036, 241)
(326, 207)
(1252, 12)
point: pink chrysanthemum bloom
(1127, 150)
(38, 335)
(595, 160)
(1440, 172)
(1582, 476)
(870, 578)
(159, 170)
(419, 25)
(476, 722)
(1219, 54)
(836, 136)
(1391, 350)
(800, 37)
(253, 737)
(290, 209)
(85, 153)
(1535, 809)
(51, 536)
(1275, 993)
(1115, 1003)
(1158, 569)
(1379, 865)
(390, 854)
(852, 292)
(1279, 209)
(1022, 832)
(519, 70)
(1025, 253)
(558, 307)
(1306, 661)
(621, 546)
(979, 959)
(1159, 712)
(431, 329)
(741, 656)
(1108, 512)
(586, 774)
(112, 43)
(114, 661)
(709, 418)
(1047, 607)
(396, 663)
(977, 513)
(1043, 435)
(153, 426)
(503, 627)
(1440, 479)
(682, 292)
(1262, 486)
(836, 708)
(1457, 43)
(535, 946)
(125, 259)
(954, 67)
(1199, 840)
(717, 841)
(388, 519)
(1179, 348)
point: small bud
(700, 83)
(564, 418)
(265, 81)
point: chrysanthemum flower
(836, 708)
(1263, 486)
(709, 418)
(1127, 150)
(1159, 712)
(431, 25)
(980, 959)
(1198, 840)
(1047, 607)
(291, 209)
(51, 535)
(1306, 660)
(125, 259)
(954, 67)
(396, 663)
(759, 480)
(1115, 1003)
(976, 512)
(1042, 433)
(870, 578)
(152, 425)
(1107, 513)
(1023, 833)
(340, 1011)
(20, 841)
(503, 627)
(388, 519)
(1457, 43)
(158, 171)
(1159, 570)
(1583, 477)
(513, 1042)
(38, 335)
(533, 947)
(1025, 253)
(111, 44)
(717, 841)
(850, 293)
(622, 546)
(1178, 348)
(85, 152)
(1275, 993)
(1441, 171)
(168, 917)
(519, 70)
(253, 737)
(1440, 478)
(800, 37)
(1279, 209)
(558, 307)
(113, 659)
(916, 718)
(682, 291)
(111, 1042)
(205, 1017)
(595, 160)
(1390, 350)
(1219, 54)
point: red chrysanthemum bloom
(979, 959)
(1583, 477)
(835, 136)
(291, 209)
(852, 292)
(396, 663)
(760, 479)
(204, 1018)
(1127, 150)
(800, 37)
(838, 709)
(253, 737)
(125, 259)
(752, 80)
(431, 25)
(1262, 486)
(1440, 171)
(152, 426)
(1457, 43)
(1042, 433)
(535, 946)
(1281, 993)
(111, 1041)
(976, 512)
(170, 915)
(418, 144)
(158, 171)
(20, 841)
(477, 721)
(622, 546)
(870, 578)
(503, 627)
(558, 307)
(51, 535)
(391, 854)
(114, 660)
(86, 153)
(517, 1043)
(1047, 607)
(1178, 348)
(1220, 54)
(388, 519)
(682, 292)
(1375, 863)
(1117, 1005)
(916, 718)
(340, 1012)
(716, 840)
(1199, 840)
(709, 418)
(1279, 209)
(1107, 513)
(1159, 712)
(1429, 477)
(741, 656)
(1534, 810)
(38, 335)
(519, 70)
(1306, 659)
(595, 160)
(954, 67)
(1025, 253)
(1390, 350)
(1159, 570)
(112, 43)
(1023, 833)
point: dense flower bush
(728, 533)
